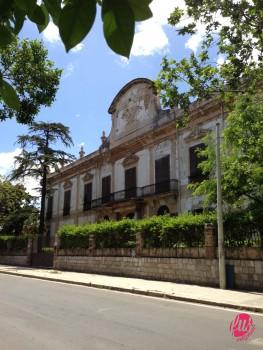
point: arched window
(163, 210)
(130, 216)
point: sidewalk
(249, 301)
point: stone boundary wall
(199, 271)
(15, 259)
(248, 274)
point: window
(163, 210)
(106, 189)
(67, 198)
(87, 196)
(130, 216)
(195, 172)
(162, 174)
(49, 208)
(130, 183)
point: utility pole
(221, 252)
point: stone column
(57, 244)
(29, 251)
(210, 241)
(92, 244)
(139, 243)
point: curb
(142, 292)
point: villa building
(141, 169)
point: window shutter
(162, 174)
(106, 189)
(67, 198)
(195, 160)
(130, 183)
(87, 196)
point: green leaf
(119, 25)
(9, 96)
(26, 5)
(38, 15)
(5, 6)
(6, 36)
(76, 20)
(19, 19)
(54, 8)
(42, 27)
(141, 9)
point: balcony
(170, 186)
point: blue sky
(93, 75)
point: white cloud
(78, 47)
(150, 37)
(69, 70)
(51, 33)
(196, 39)
(220, 60)
(7, 160)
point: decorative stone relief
(67, 184)
(132, 159)
(88, 177)
(196, 133)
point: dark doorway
(87, 196)
(67, 199)
(163, 210)
(130, 183)
(130, 216)
(106, 189)
(195, 159)
(162, 174)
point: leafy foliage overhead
(25, 67)
(231, 28)
(74, 19)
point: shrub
(13, 242)
(241, 230)
(108, 234)
(185, 230)
(159, 231)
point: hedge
(14, 243)
(159, 231)
(242, 230)
(185, 230)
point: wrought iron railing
(133, 193)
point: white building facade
(141, 169)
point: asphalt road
(40, 315)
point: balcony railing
(170, 186)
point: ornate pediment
(88, 177)
(196, 133)
(67, 185)
(132, 159)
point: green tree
(234, 29)
(25, 66)
(241, 158)
(74, 19)
(16, 207)
(39, 156)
